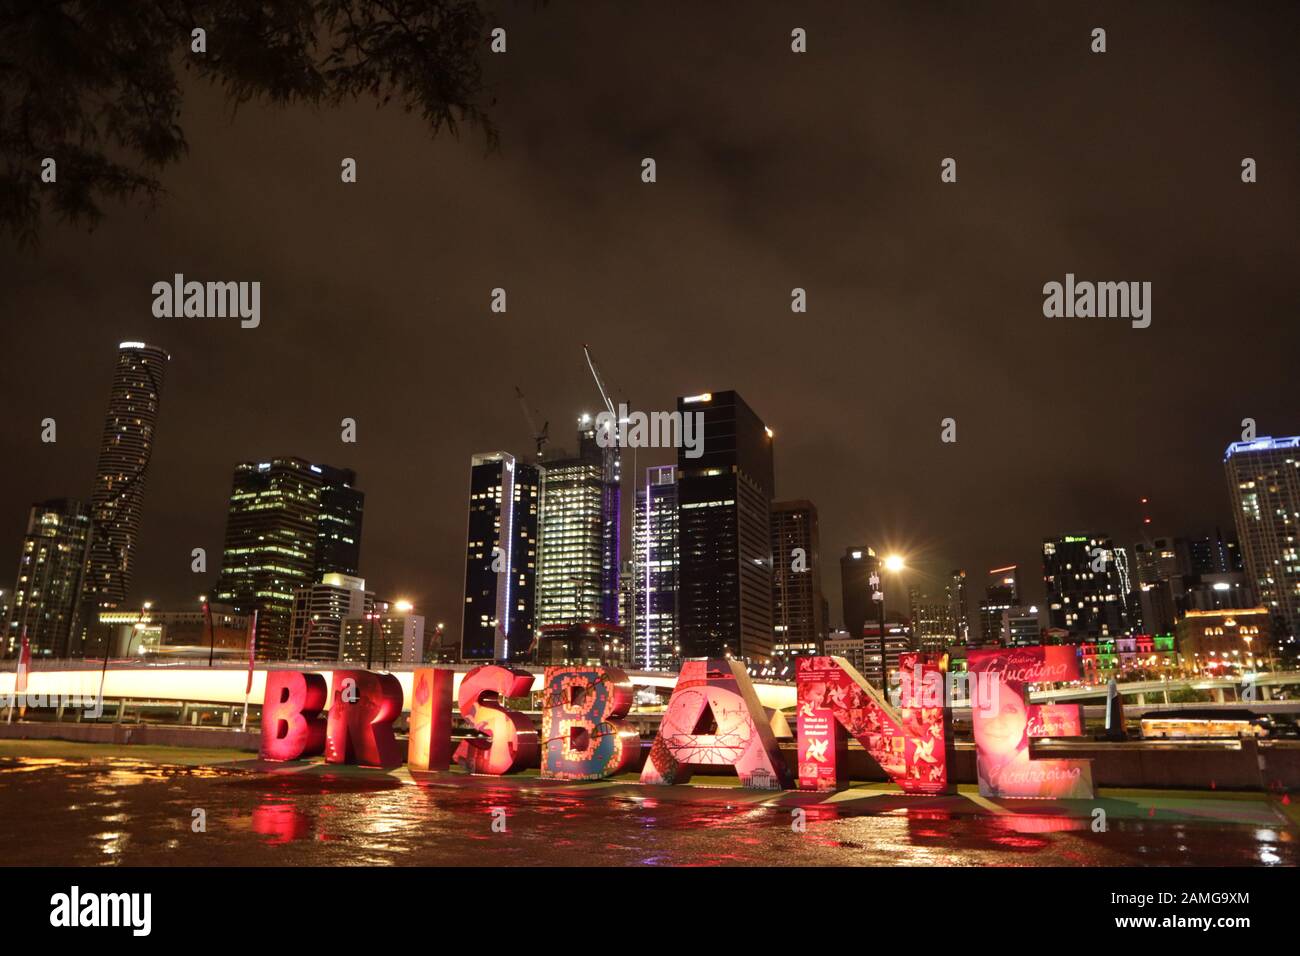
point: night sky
(775, 170)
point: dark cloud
(775, 170)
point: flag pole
(248, 687)
(20, 675)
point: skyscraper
(960, 606)
(655, 562)
(1084, 592)
(1264, 483)
(1001, 592)
(47, 598)
(933, 625)
(500, 559)
(577, 567)
(724, 545)
(338, 530)
(857, 565)
(288, 523)
(798, 625)
(125, 449)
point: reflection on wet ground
(119, 810)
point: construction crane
(595, 373)
(540, 435)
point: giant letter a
(714, 719)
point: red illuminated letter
(910, 743)
(429, 744)
(1000, 715)
(584, 739)
(714, 718)
(361, 720)
(512, 738)
(291, 725)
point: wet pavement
(123, 810)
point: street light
(892, 563)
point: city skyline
(914, 313)
(322, 550)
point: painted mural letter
(361, 718)
(1001, 718)
(714, 719)
(910, 743)
(291, 723)
(511, 743)
(429, 744)
(582, 733)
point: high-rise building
(798, 625)
(1084, 594)
(724, 544)
(279, 527)
(500, 559)
(857, 566)
(1264, 482)
(125, 449)
(1002, 591)
(933, 626)
(577, 567)
(653, 630)
(960, 605)
(319, 610)
(47, 597)
(338, 526)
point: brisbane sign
(713, 720)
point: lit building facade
(1084, 596)
(501, 559)
(1264, 484)
(724, 597)
(387, 634)
(274, 542)
(316, 627)
(126, 447)
(798, 609)
(1227, 642)
(1022, 626)
(933, 625)
(47, 597)
(655, 565)
(1131, 657)
(577, 568)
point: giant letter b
(291, 725)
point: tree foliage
(96, 84)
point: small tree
(94, 85)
